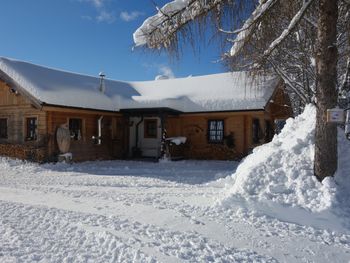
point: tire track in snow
(68, 229)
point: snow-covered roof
(217, 92)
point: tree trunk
(326, 133)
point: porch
(148, 131)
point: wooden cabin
(221, 116)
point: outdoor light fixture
(14, 91)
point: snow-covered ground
(125, 211)
(272, 209)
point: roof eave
(48, 105)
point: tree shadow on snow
(186, 172)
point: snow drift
(280, 173)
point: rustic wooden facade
(16, 109)
(238, 131)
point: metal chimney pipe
(102, 82)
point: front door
(150, 145)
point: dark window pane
(75, 128)
(268, 131)
(3, 128)
(150, 129)
(256, 131)
(216, 131)
(31, 129)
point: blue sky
(89, 36)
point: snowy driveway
(125, 211)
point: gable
(279, 105)
(11, 98)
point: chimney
(102, 82)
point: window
(3, 128)
(216, 131)
(257, 134)
(150, 128)
(75, 128)
(32, 124)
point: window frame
(146, 130)
(6, 128)
(31, 130)
(74, 134)
(217, 140)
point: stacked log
(24, 152)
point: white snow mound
(282, 170)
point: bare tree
(296, 38)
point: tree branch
(247, 30)
(159, 30)
(296, 19)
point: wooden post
(245, 134)
(163, 134)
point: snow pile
(282, 171)
(342, 177)
(177, 140)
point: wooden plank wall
(15, 108)
(86, 148)
(195, 128)
(279, 106)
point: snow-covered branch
(158, 30)
(293, 23)
(297, 88)
(248, 28)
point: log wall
(195, 128)
(112, 146)
(16, 109)
(280, 106)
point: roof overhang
(61, 108)
(150, 111)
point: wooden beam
(80, 111)
(224, 113)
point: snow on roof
(217, 92)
